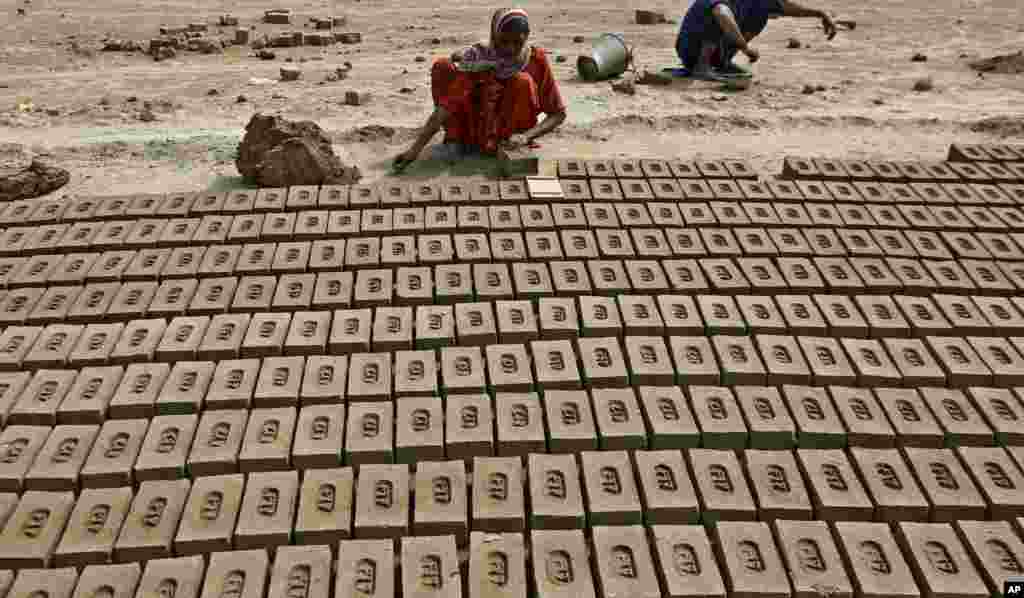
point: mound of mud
(1007, 64)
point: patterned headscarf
(503, 20)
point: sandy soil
(81, 114)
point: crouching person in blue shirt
(713, 31)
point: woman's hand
(829, 25)
(517, 141)
(405, 158)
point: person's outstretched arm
(727, 21)
(793, 9)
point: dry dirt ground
(80, 111)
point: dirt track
(83, 120)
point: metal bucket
(609, 58)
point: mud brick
(859, 241)
(767, 418)
(507, 247)
(182, 338)
(951, 218)
(178, 232)
(73, 268)
(1001, 313)
(719, 417)
(36, 271)
(680, 315)
(291, 257)
(723, 490)
(492, 281)
(119, 580)
(800, 274)
(254, 293)
(54, 345)
(640, 315)
(783, 360)
(265, 335)
(912, 276)
(894, 243)
(430, 565)
(925, 317)
(764, 277)
(38, 403)
(144, 204)
(16, 305)
(268, 507)
(166, 448)
(1001, 246)
(172, 298)
(475, 323)
(695, 362)
(324, 380)
(498, 502)
(532, 280)
(739, 361)
(669, 421)
(579, 243)
(1001, 411)
(613, 243)
(435, 326)
(685, 275)
(895, 492)
(666, 214)
(441, 495)
(824, 242)
(114, 235)
(440, 218)
(946, 484)
(31, 535)
(893, 488)
(468, 426)
(697, 214)
(537, 217)
(914, 423)
(555, 364)
(87, 400)
(962, 364)
(940, 562)
(219, 260)
(983, 219)
(11, 386)
(14, 241)
(1001, 358)
(325, 506)
(836, 492)
(721, 315)
(624, 564)
(817, 421)
(751, 561)
(873, 365)
(419, 430)
(509, 368)
(978, 172)
(245, 227)
(882, 316)
(790, 241)
(649, 361)
(414, 286)
(392, 329)
(620, 425)
(1014, 273)
(57, 465)
(728, 213)
(543, 246)
(777, 484)
(96, 343)
(373, 288)
(475, 218)
(556, 497)
(720, 242)
(512, 190)
(915, 362)
(610, 488)
(45, 238)
(58, 583)
(333, 290)
(632, 214)
(998, 479)
(245, 570)
(965, 246)
(217, 443)
(212, 296)
(571, 215)
(724, 276)
(994, 549)
(600, 316)
(960, 152)
(756, 242)
(279, 382)
(369, 377)
(92, 529)
(810, 553)
(369, 433)
(409, 219)
(963, 194)
(519, 424)
(366, 564)
(185, 573)
(453, 283)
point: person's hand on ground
(405, 158)
(517, 141)
(752, 54)
(829, 25)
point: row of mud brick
(330, 234)
(875, 340)
(484, 193)
(115, 301)
(912, 172)
(781, 559)
(414, 429)
(268, 509)
(947, 232)
(962, 152)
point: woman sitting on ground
(488, 97)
